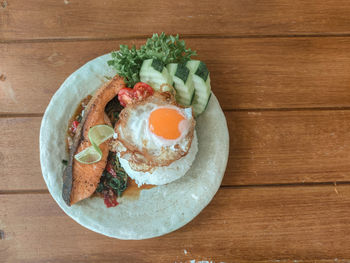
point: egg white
(137, 129)
(164, 174)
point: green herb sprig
(169, 49)
(117, 184)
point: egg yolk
(165, 122)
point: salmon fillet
(80, 180)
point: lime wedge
(88, 156)
(97, 135)
(100, 133)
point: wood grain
(246, 73)
(278, 223)
(110, 19)
(288, 147)
(265, 148)
(19, 154)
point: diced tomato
(74, 126)
(126, 96)
(110, 169)
(110, 199)
(142, 90)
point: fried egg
(164, 174)
(154, 133)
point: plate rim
(58, 93)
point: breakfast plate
(156, 211)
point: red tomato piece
(142, 90)
(74, 126)
(110, 200)
(126, 96)
(110, 169)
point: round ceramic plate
(159, 210)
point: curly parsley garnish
(169, 49)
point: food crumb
(2, 77)
(66, 2)
(335, 188)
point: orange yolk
(164, 122)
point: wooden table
(281, 71)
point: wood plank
(19, 154)
(265, 148)
(303, 223)
(246, 73)
(108, 19)
(288, 147)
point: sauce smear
(133, 191)
(83, 103)
(76, 118)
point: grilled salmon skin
(80, 180)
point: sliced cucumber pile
(154, 73)
(183, 83)
(191, 81)
(201, 83)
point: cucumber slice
(157, 65)
(183, 83)
(201, 83)
(154, 73)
